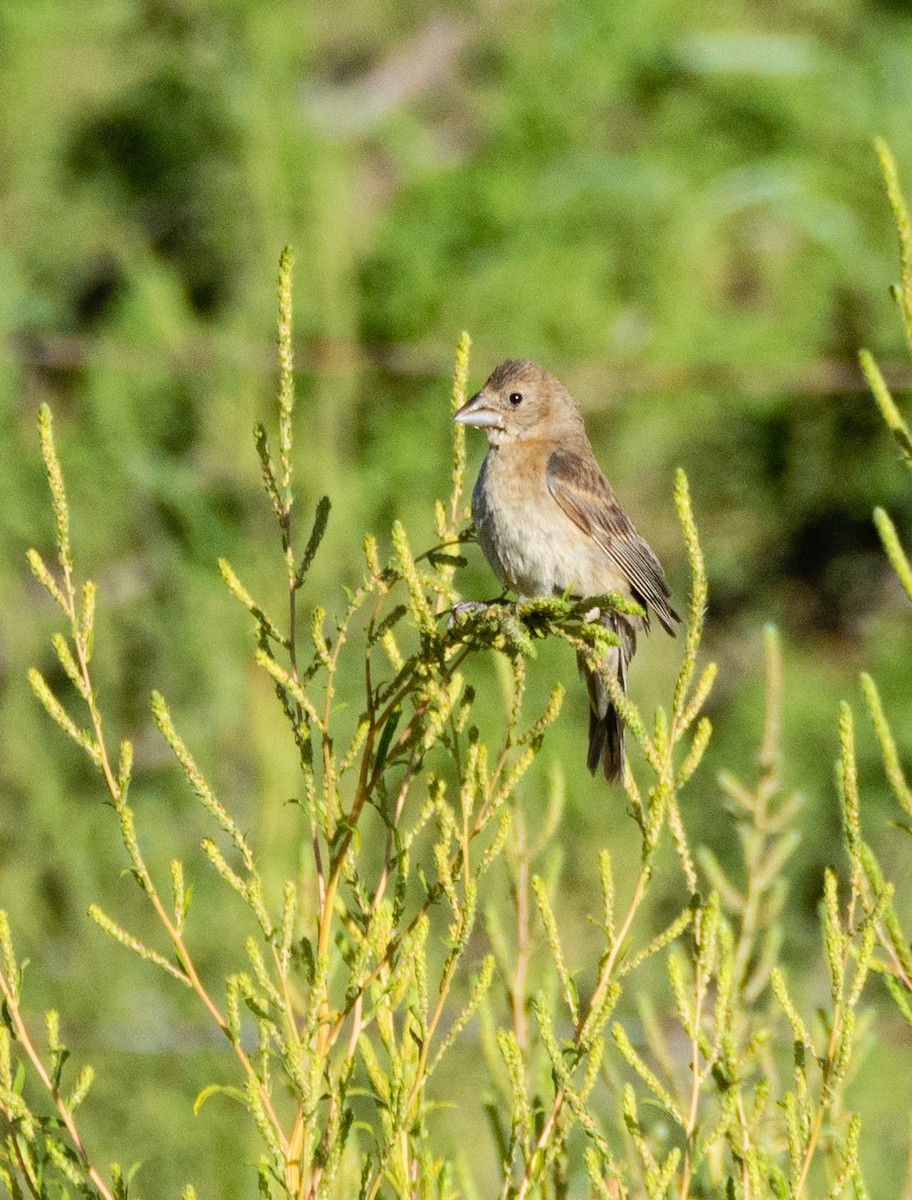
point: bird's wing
(585, 495)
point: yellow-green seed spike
(318, 529)
(865, 961)
(420, 607)
(286, 372)
(84, 1081)
(666, 1173)
(849, 1152)
(833, 937)
(606, 876)
(87, 617)
(888, 749)
(115, 931)
(41, 572)
(56, 710)
(659, 942)
(460, 376)
(480, 989)
(66, 660)
(552, 936)
(240, 593)
(903, 228)
(849, 783)
(55, 482)
(125, 769)
(700, 695)
(886, 404)
(787, 1004)
(65, 1165)
(196, 780)
(261, 441)
(649, 1077)
(891, 544)
(52, 1028)
(794, 1134)
(695, 754)
(698, 593)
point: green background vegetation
(675, 207)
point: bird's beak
(477, 411)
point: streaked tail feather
(606, 743)
(606, 725)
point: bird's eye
(515, 398)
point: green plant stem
(329, 1030)
(746, 1146)
(699, 996)
(819, 1115)
(887, 943)
(419, 1080)
(754, 853)
(523, 938)
(27, 1174)
(534, 1161)
(22, 1036)
(151, 891)
(822, 1107)
(294, 584)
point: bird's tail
(606, 725)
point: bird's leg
(465, 608)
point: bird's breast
(531, 544)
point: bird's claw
(464, 608)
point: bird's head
(520, 400)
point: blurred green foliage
(675, 207)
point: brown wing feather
(585, 495)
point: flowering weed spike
(317, 532)
(887, 405)
(834, 939)
(549, 921)
(649, 1077)
(55, 483)
(240, 593)
(197, 781)
(113, 930)
(59, 714)
(460, 376)
(286, 374)
(903, 228)
(888, 748)
(70, 669)
(659, 942)
(787, 1004)
(480, 989)
(891, 544)
(261, 441)
(698, 596)
(86, 623)
(40, 570)
(849, 784)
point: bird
(549, 524)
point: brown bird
(549, 524)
